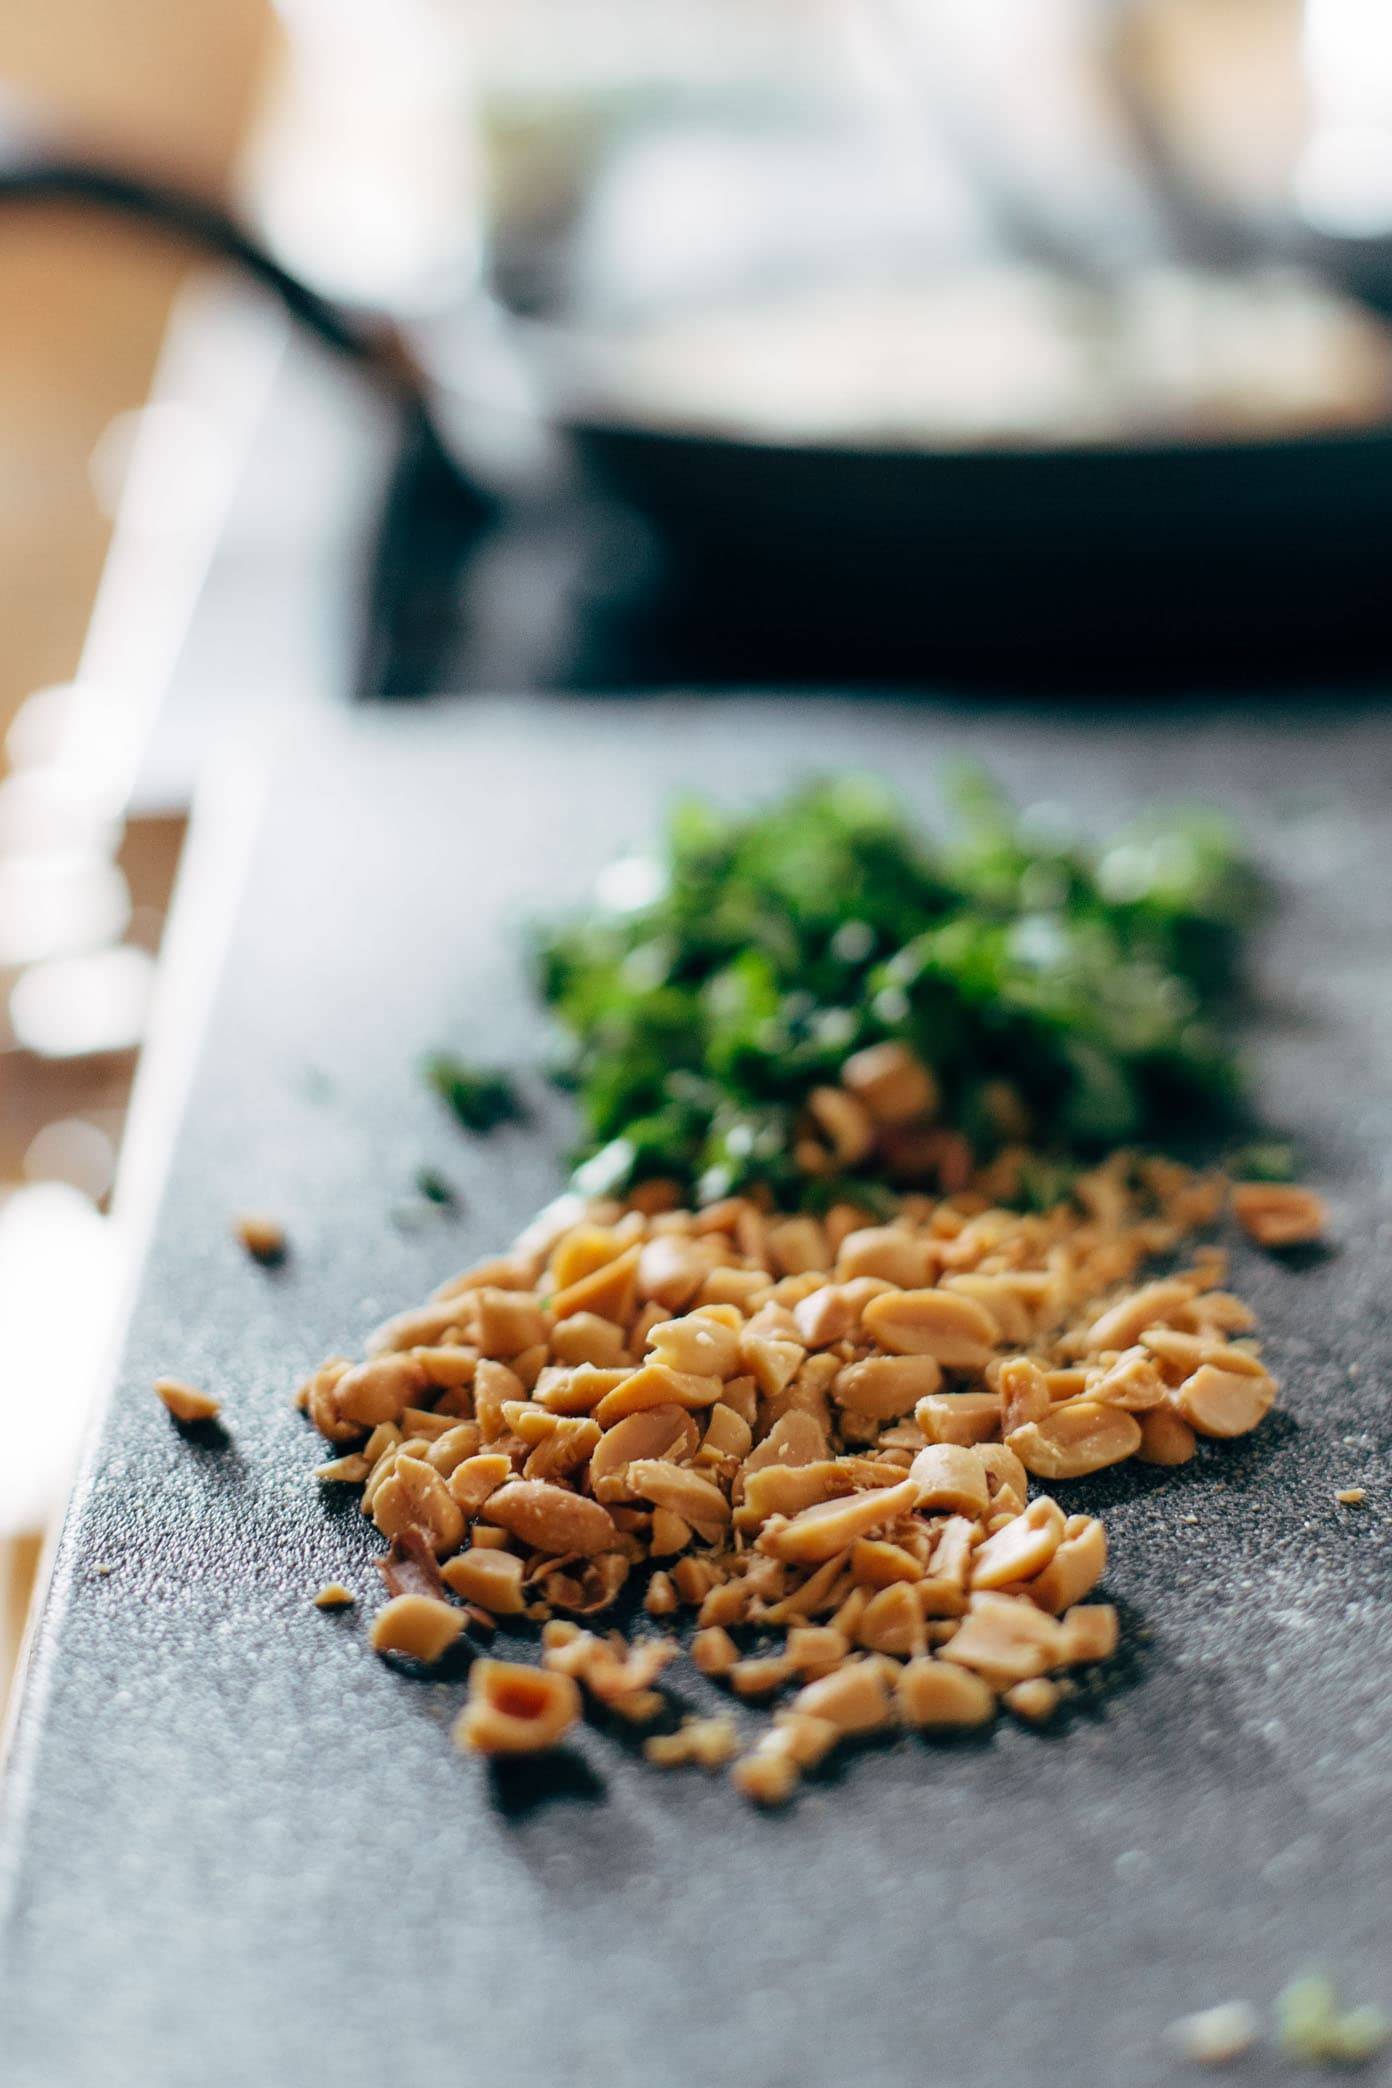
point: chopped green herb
(711, 988)
(1264, 1160)
(480, 1097)
(433, 1187)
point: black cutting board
(240, 1849)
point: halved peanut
(493, 1579)
(1166, 1438)
(419, 1626)
(1076, 1567)
(656, 1384)
(1280, 1214)
(1022, 1548)
(903, 1259)
(414, 1496)
(514, 1709)
(948, 1477)
(475, 1478)
(659, 1431)
(423, 1324)
(895, 1086)
(957, 1332)
(1000, 1298)
(377, 1391)
(966, 1418)
(935, 1696)
(696, 1500)
(550, 1518)
(1224, 1402)
(821, 1531)
(886, 1386)
(1131, 1381)
(1075, 1439)
(1124, 1323)
(702, 1343)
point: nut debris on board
(710, 1400)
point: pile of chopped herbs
(708, 990)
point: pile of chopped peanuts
(813, 1438)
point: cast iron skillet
(1257, 554)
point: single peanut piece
(419, 1626)
(514, 1709)
(551, 1518)
(185, 1402)
(956, 1332)
(1224, 1403)
(1279, 1214)
(492, 1579)
(1077, 1438)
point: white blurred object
(363, 175)
(1343, 182)
(54, 1249)
(54, 904)
(73, 1007)
(73, 1150)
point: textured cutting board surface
(239, 1849)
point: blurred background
(1036, 343)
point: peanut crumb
(1351, 1496)
(334, 1596)
(185, 1402)
(262, 1237)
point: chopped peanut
(818, 1429)
(492, 1579)
(933, 1695)
(705, 1743)
(185, 1402)
(262, 1237)
(513, 1709)
(334, 1596)
(420, 1626)
(1278, 1214)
